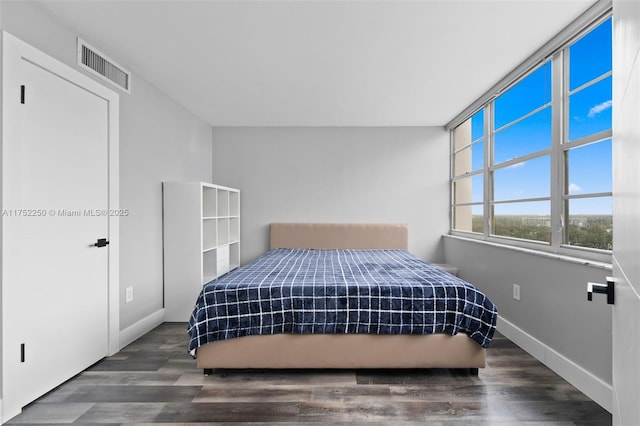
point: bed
(226, 331)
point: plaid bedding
(339, 291)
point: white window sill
(565, 258)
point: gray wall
(159, 140)
(355, 174)
(553, 306)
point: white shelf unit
(201, 224)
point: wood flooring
(154, 381)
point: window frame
(559, 195)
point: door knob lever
(101, 242)
(608, 289)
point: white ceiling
(319, 63)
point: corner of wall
(592, 386)
(140, 328)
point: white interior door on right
(55, 195)
(626, 212)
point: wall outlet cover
(516, 292)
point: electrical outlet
(128, 296)
(516, 292)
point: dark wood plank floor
(154, 381)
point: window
(586, 148)
(533, 164)
(468, 166)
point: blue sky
(589, 113)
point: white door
(626, 213)
(55, 192)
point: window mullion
(452, 150)
(488, 174)
(559, 72)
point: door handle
(608, 289)
(101, 242)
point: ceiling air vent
(98, 64)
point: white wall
(355, 174)
(159, 140)
(626, 209)
(553, 319)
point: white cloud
(516, 165)
(595, 110)
(574, 188)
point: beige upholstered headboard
(339, 235)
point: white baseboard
(140, 328)
(592, 386)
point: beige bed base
(342, 350)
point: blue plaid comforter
(339, 291)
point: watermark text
(64, 212)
